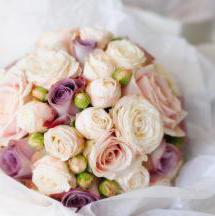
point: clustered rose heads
(87, 116)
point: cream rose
(93, 122)
(101, 36)
(139, 123)
(135, 177)
(45, 67)
(158, 89)
(33, 116)
(126, 54)
(98, 65)
(51, 176)
(110, 156)
(54, 40)
(14, 90)
(63, 142)
(104, 92)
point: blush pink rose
(110, 156)
(14, 90)
(157, 91)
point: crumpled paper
(194, 193)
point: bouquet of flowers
(87, 115)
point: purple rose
(77, 198)
(82, 49)
(61, 94)
(165, 162)
(15, 159)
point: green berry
(40, 93)
(109, 188)
(117, 38)
(177, 141)
(122, 75)
(36, 140)
(78, 164)
(85, 179)
(82, 100)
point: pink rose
(156, 89)
(110, 156)
(13, 92)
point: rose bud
(85, 179)
(40, 93)
(36, 140)
(104, 92)
(109, 188)
(122, 75)
(78, 164)
(82, 100)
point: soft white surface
(194, 194)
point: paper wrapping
(194, 192)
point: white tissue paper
(194, 193)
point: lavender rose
(15, 160)
(61, 94)
(77, 198)
(164, 163)
(82, 49)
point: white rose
(98, 65)
(126, 54)
(101, 36)
(52, 176)
(139, 123)
(134, 178)
(33, 116)
(104, 92)
(45, 67)
(53, 40)
(63, 142)
(93, 122)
